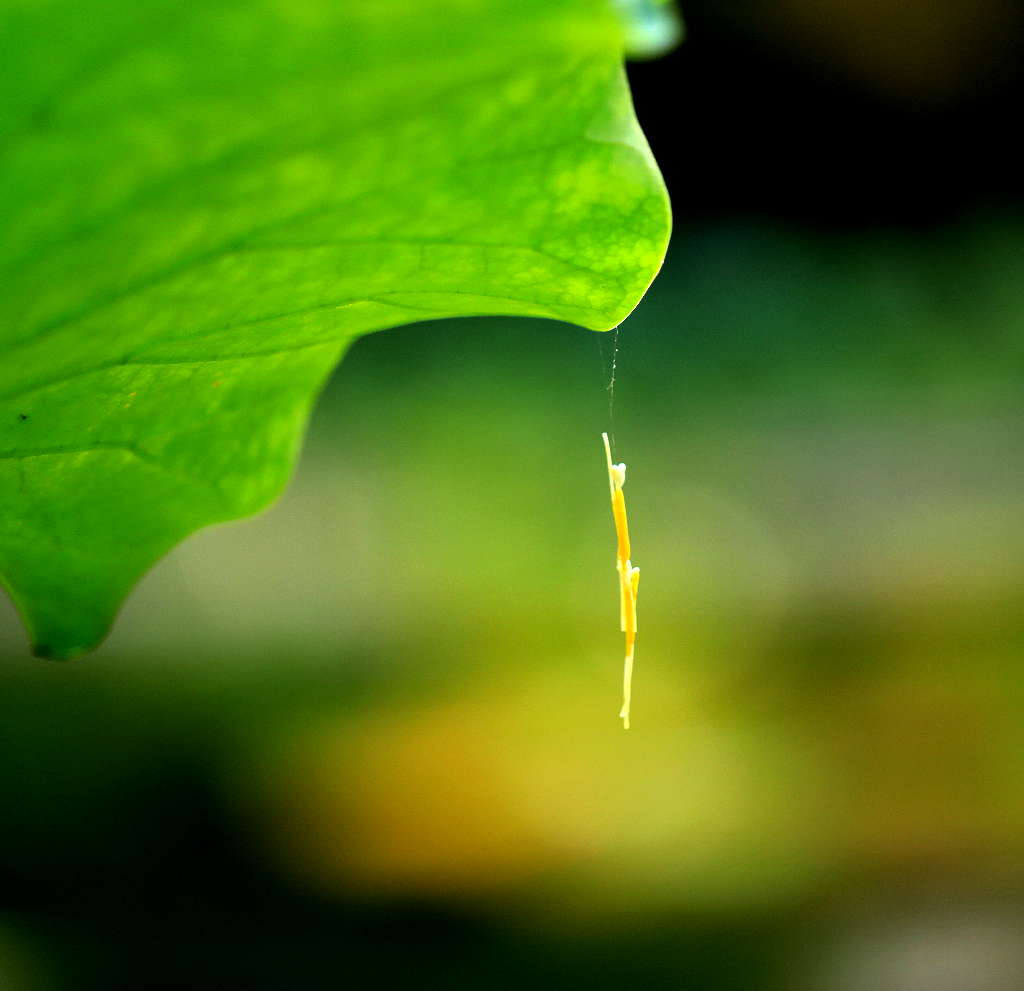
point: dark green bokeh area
(371, 736)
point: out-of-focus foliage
(402, 758)
(201, 204)
(918, 53)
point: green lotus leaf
(203, 204)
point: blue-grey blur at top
(653, 27)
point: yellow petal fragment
(629, 577)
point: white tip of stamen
(619, 475)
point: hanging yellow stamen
(629, 577)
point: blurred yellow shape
(629, 577)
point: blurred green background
(371, 736)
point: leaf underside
(202, 204)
